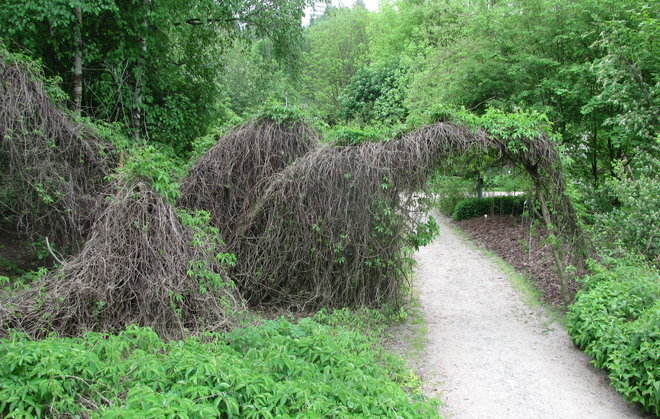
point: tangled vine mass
(311, 224)
(52, 168)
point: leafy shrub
(632, 222)
(377, 92)
(615, 320)
(276, 369)
(347, 136)
(283, 115)
(158, 165)
(635, 368)
(448, 191)
(476, 207)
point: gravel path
(489, 355)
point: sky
(371, 5)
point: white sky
(371, 5)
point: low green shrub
(616, 320)
(476, 207)
(350, 136)
(635, 368)
(448, 191)
(632, 221)
(278, 369)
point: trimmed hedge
(476, 207)
(616, 321)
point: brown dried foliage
(230, 177)
(331, 228)
(134, 269)
(51, 168)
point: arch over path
(333, 225)
(428, 147)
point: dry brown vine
(51, 167)
(139, 266)
(231, 176)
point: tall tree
(151, 65)
(336, 48)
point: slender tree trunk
(594, 156)
(77, 64)
(480, 185)
(627, 168)
(610, 152)
(139, 80)
(554, 244)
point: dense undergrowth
(311, 368)
(476, 207)
(616, 320)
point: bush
(635, 368)
(476, 207)
(350, 136)
(448, 191)
(276, 369)
(615, 320)
(632, 222)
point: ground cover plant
(616, 320)
(276, 369)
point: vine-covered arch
(336, 226)
(537, 154)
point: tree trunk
(77, 64)
(554, 244)
(480, 185)
(137, 116)
(594, 156)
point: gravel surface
(486, 354)
(509, 237)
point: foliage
(152, 66)
(628, 73)
(615, 320)
(376, 93)
(336, 48)
(252, 76)
(631, 223)
(342, 135)
(280, 114)
(160, 167)
(372, 322)
(634, 368)
(476, 207)
(22, 281)
(275, 369)
(448, 191)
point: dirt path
(488, 354)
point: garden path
(487, 354)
